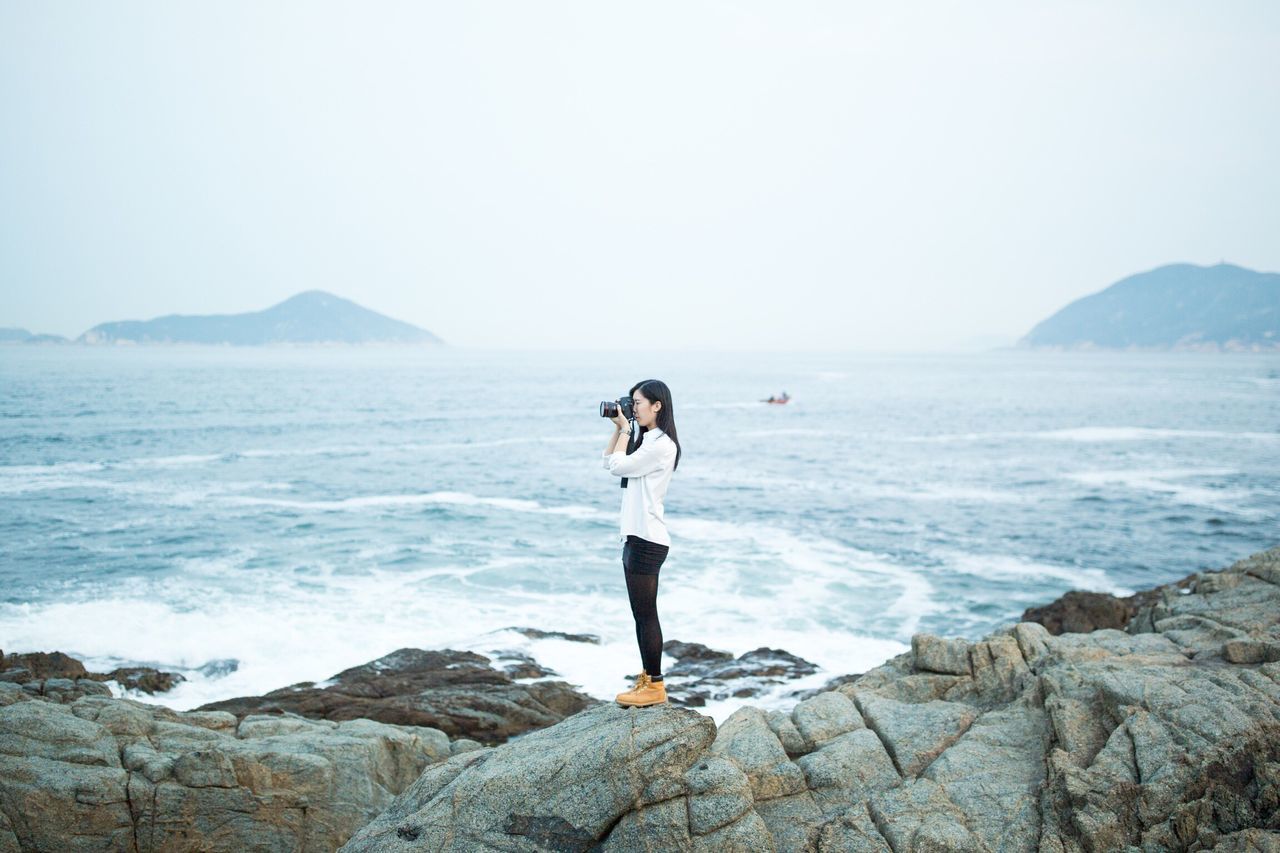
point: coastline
(884, 760)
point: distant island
(22, 336)
(311, 317)
(1179, 306)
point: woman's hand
(620, 420)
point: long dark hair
(656, 391)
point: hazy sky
(690, 175)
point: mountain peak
(317, 296)
(1177, 306)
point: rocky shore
(1159, 730)
(459, 693)
(41, 666)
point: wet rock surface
(1080, 611)
(38, 667)
(703, 674)
(1161, 736)
(459, 693)
(539, 634)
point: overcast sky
(677, 175)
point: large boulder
(1080, 611)
(606, 770)
(102, 773)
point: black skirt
(642, 557)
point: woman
(647, 468)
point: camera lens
(608, 410)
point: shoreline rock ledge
(1163, 736)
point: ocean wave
(179, 461)
(1103, 434)
(935, 491)
(1008, 567)
(423, 499)
(1163, 481)
(285, 624)
(51, 468)
(769, 433)
(1097, 435)
(195, 459)
(798, 576)
(922, 491)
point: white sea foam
(783, 431)
(53, 468)
(158, 491)
(796, 579)
(1163, 481)
(423, 499)
(1090, 434)
(329, 450)
(287, 631)
(1096, 435)
(24, 473)
(283, 627)
(920, 491)
(43, 483)
(940, 491)
(1004, 566)
(179, 461)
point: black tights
(642, 590)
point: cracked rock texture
(1162, 736)
(113, 774)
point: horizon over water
(257, 517)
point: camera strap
(631, 446)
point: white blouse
(648, 472)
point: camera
(609, 410)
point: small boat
(778, 400)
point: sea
(257, 517)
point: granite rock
(568, 787)
(102, 773)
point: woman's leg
(642, 590)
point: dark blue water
(303, 510)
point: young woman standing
(647, 467)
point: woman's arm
(621, 435)
(612, 446)
(649, 457)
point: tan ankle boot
(645, 692)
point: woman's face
(646, 412)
